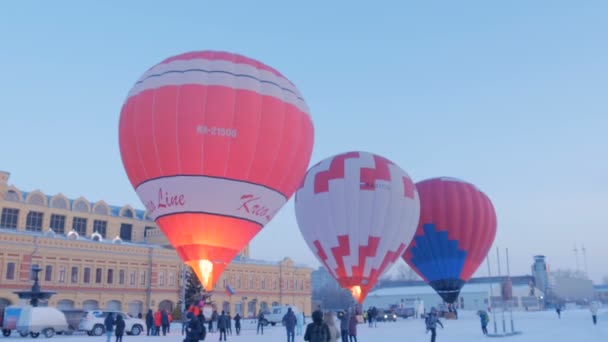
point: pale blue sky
(511, 96)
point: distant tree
(400, 271)
(194, 290)
(605, 280)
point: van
(41, 320)
(277, 312)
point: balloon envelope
(214, 144)
(456, 229)
(357, 212)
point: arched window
(127, 213)
(12, 196)
(81, 206)
(59, 202)
(36, 199)
(101, 209)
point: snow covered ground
(574, 326)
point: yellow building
(95, 255)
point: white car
(93, 322)
(277, 312)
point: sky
(510, 96)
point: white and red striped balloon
(358, 212)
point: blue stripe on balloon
(436, 256)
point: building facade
(95, 255)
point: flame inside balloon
(356, 291)
(203, 270)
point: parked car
(44, 320)
(92, 322)
(277, 312)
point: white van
(277, 312)
(41, 320)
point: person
(237, 324)
(202, 330)
(149, 322)
(222, 325)
(299, 324)
(431, 322)
(157, 322)
(344, 317)
(593, 309)
(139, 315)
(558, 309)
(317, 330)
(260, 322)
(194, 328)
(109, 325)
(289, 321)
(164, 321)
(334, 331)
(484, 318)
(229, 323)
(214, 317)
(352, 326)
(370, 316)
(120, 328)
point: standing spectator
(109, 325)
(157, 322)
(194, 328)
(334, 331)
(344, 318)
(164, 321)
(185, 321)
(149, 323)
(317, 330)
(484, 318)
(289, 321)
(237, 324)
(260, 322)
(120, 328)
(229, 323)
(222, 325)
(352, 326)
(593, 308)
(431, 322)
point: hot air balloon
(357, 212)
(214, 144)
(456, 229)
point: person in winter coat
(593, 309)
(484, 318)
(120, 328)
(149, 322)
(222, 324)
(317, 330)
(164, 321)
(237, 324)
(289, 321)
(157, 322)
(352, 326)
(109, 326)
(431, 322)
(260, 322)
(344, 318)
(228, 323)
(202, 330)
(334, 331)
(193, 330)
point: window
(142, 278)
(62, 274)
(10, 271)
(10, 217)
(110, 276)
(146, 230)
(263, 284)
(100, 227)
(58, 223)
(250, 282)
(121, 277)
(48, 273)
(132, 278)
(59, 203)
(12, 196)
(79, 225)
(274, 284)
(125, 231)
(100, 209)
(36, 199)
(34, 221)
(98, 275)
(81, 206)
(161, 279)
(238, 282)
(171, 279)
(74, 274)
(87, 275)
(128, 213)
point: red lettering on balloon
(254, 206)
(166, 200)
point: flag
(229, 290)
